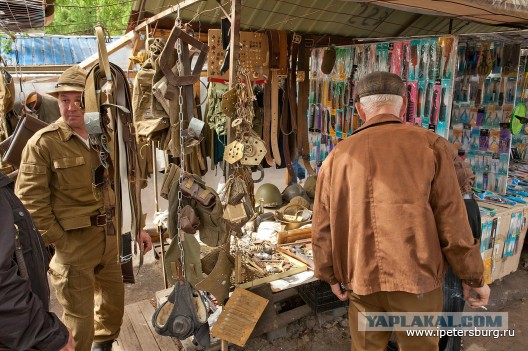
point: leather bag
(14, 145)
(189, 221)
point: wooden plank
(287, 317)
(145, 337)
(236, 9)
(239, 316)
(127, 338)
(167, 12)
(111, 48)
(164, 342)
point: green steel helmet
(270, 195)
(292, 191)
(309, 186)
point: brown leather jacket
(388, 211)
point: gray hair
(372, 103)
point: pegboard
(254, 56)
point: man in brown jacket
(56, 184)
(388, 212)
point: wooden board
(138, 334)
(239, 317)
(254, 56)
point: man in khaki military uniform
(55, 184)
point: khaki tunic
(55, 181)
(55, 184)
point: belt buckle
(100, 220)
(296, 39)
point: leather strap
(164, 61)
(292, 80)
(114, 102)
(275, 117)
(267, 123)
(286, 132)
(303, 81)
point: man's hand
(483, 294)
(336, 289)
(144, 240)
(70, 345)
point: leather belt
(303, 79)
(99, 221)
(266, 130)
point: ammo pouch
(192, 189)
(205, 202)
(189, 222)
(183, 314)
(217, 266)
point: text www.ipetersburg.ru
(440, 332)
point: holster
(14, 145)
(125, 257)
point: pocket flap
(32, 168)
(67, 162)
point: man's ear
(360, 111)
(403, 109)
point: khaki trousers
(396, 301)
(87, 278)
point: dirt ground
(329, 331)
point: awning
(495, 12)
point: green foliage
(6, 45)
(78, 17)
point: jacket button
(21, 214)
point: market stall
(280, 99)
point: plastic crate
(319, 296)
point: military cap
(71, 80)
(378, 83)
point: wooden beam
(113, 47)
(167, 12)
(236, 8)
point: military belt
(98, 220)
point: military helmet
(71, 80)
(270, 195)
(292, 191)
(300, 201)
(309, 186)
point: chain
(182, 155)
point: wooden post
(156, 207)
(236, 7)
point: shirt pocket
(70, 172)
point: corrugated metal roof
(330, 17)
(50, 50)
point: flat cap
(380, 83)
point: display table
(503, 234)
